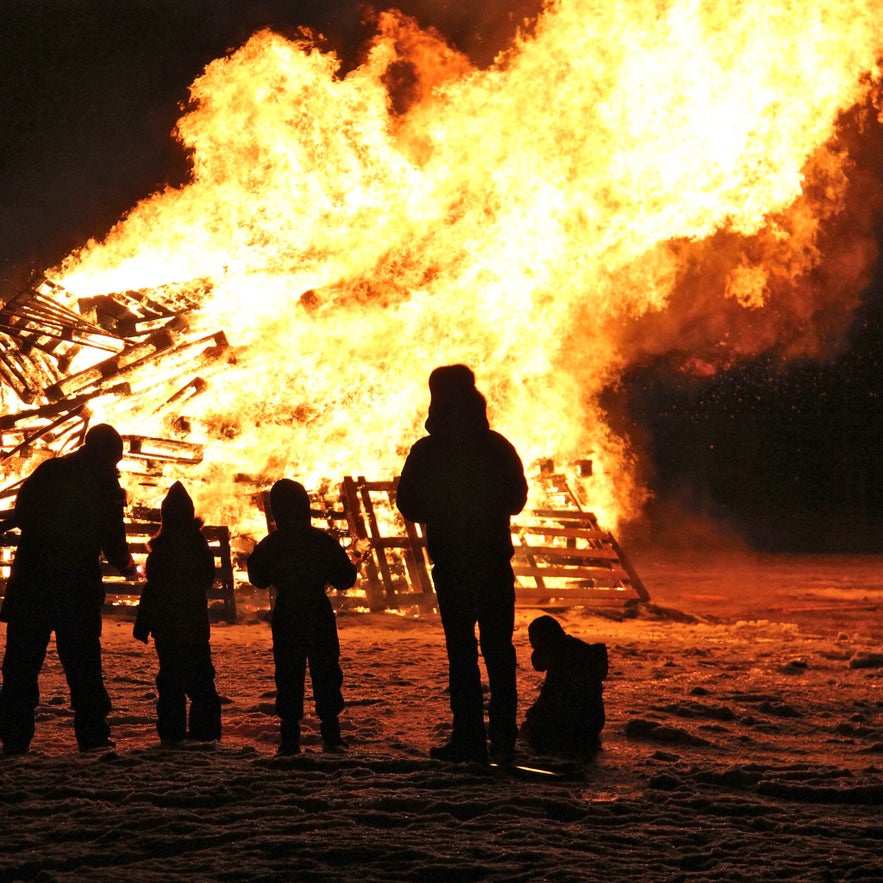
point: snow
(744, 740)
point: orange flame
(521, 219)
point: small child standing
(300, 561)
(180, 569)
(568, 716)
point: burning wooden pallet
(562, 556)
(120, 591)
(40, 337)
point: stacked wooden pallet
(562, 556)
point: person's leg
(468, 737)
(171, 701)
(205, 706)
(22, 661)
(78, 640)
(290, 670)
(327, 678)
(496, 623)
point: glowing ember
(349, 234)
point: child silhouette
(300, 561)
(180, 569)
(567, 718)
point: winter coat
(180, 569)
(299, 561)
(463, 481)
(70, 511)
(569, 714)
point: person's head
(454, 400)
(545, 631)
(177, 507)
(103, 445)
(290, 502)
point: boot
(332, 741)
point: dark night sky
(787, 455)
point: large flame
(354, 231)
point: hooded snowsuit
(568, 716)
(180, 569)
(300, 561)
(69, 511)
(464, 481)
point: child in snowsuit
(180, 569)
(567, 718)
(300, 561)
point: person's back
(299, 562)
(568, 716)
(69, 511)
(463, 480)
(180, 569)
(174, 609)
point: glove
(130, 571)
(141, 632)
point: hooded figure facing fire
(464, 482)
(69, 511)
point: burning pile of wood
(46, 397)
(561, 552)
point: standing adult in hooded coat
(69, 511)
(464, 481)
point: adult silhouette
(69, 511)
(464, 481)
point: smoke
(792, 288)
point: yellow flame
(516, 219)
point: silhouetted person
(300, 561)
(464, 481)
(567, 718)
(180, 570)
(69, 511)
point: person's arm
(411, 492)
(206, 562)
(257, 565)
(341, 571)
(598, 663)
(515, 484)
(114, 542)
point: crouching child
(180, 569)
(300, 561)
(567, 718)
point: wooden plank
(568, 598)
(583, 572)
(576, 533)
(380, 583)
(364, 496)
(567, 515)
(568, 552)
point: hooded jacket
(297, 559)
(180, 569)
(463, 481)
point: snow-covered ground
(744, 742)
